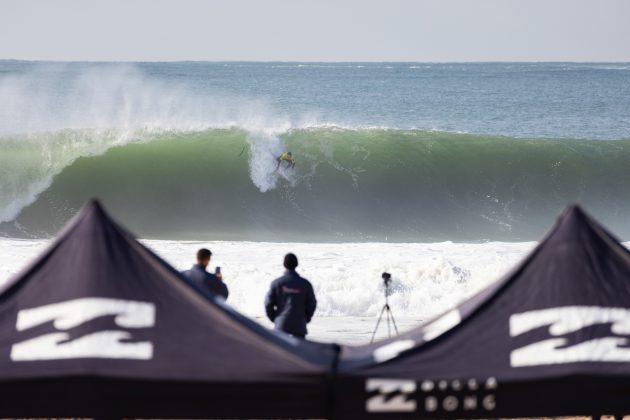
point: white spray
(51, 116)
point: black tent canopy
(549, 339)
(99, 326)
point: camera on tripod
(387, 311)
(387, 279)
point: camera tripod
(387, 311)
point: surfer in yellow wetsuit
(286, 157)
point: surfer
(286, 157)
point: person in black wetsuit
(199, 275)
(290, 302)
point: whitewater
(427, 278)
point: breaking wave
(366, 184)
(174, 161)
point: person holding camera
(290, 302)
(199, 275)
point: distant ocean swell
(361, 184)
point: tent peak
(93, 213)
(574, 208)
(95, 205)
(574, 217)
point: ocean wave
(167, 154)
(373, 184)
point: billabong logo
(392, 397)
(101, 344)
(431, 396)
(567, 320)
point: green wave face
(348, 185)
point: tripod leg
(389, 328)
(391, 314)
(377, 324)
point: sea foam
(427, 278)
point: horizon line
(321, 61)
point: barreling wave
(348, 185)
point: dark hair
(290, 261)
(203, 254)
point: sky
(315, 30)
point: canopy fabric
(99, 326)
(549, 339)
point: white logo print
(101, 344)
(566, 320)
(381, 403)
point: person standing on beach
(290, 302)
(199, 275)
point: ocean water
(403, 152)
(444, 175)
